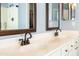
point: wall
(41, 18)
(65, 25)
(72, 24)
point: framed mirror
(68, 11)
(65, 11)
(17, 18)
(52, 16)
(72, 9)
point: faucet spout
(57, 33)
(26, 40)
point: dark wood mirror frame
(19, 31)
(47, 17)
(63, 11)
(70, 11)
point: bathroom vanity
(45, 44)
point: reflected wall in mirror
(72, 9)
(68, 11)
(52, 16)
(65, 11)
(17, 18)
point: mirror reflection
(73, 7)
(16, 16)
(53, 15)
(65, 11)
(68, 11)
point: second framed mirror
(52, 16)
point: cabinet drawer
(65, 50)
(71, 45)
(76, 44)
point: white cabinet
(77, 47)
(65, 50)
(72, 51)
(68, 49)
(77, 51)
(71, 48)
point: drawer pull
(76, 42)
(76, 48)
(66, 50)
(71, 45)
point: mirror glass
(72, 9)
(16, 16)
(68, 11)
(65, 11)
(52, 15)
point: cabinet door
(65, 50)
(76, 51)
(72, 52)
(77, 47)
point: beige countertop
(40, 44)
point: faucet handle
(20, 39)
(58, 29)
(30, 36)
(56, 33)
(27, 40)
(22, 42)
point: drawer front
(65, 50)
(71, 45)
(76, 44)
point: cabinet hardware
(76, 48)
(66, 50)
(76, 42)
(71, 45)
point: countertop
(40, 45)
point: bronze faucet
(25, 41)
(56, 33)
